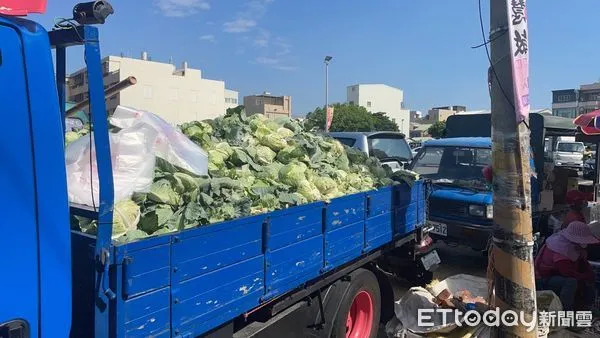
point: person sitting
(562, 266)
(577, 201)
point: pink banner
(519, 48)
(329, 117)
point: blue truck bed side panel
(217, 273)
(293, 247)
(201, 303)
(378, 225)
(410, 199)
(146, 270)
(189, 282)
(378, 231)
(148, 315)
(344, 230)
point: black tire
(360, 280)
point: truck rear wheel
(360, 308)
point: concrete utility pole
(511, 254)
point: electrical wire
(490, 41)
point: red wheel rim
(360, 316)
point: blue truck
(319, 269)
(461, 201)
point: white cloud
(262, 40)
(283, 47)
(274, 63)
(266, 60)
(286, 68)
(208, 38)
(181, 8)
(239, 25)
(245, 20)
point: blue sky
(423, 47)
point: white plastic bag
(134, 148)
(170, 144)
(132, 166)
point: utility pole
(511, 254)
(327, 61)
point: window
(259, 102)
(384, 146)
(369, 104)
(353, 89)
(235, 101)
(563, 98)
(346, 141)
(147, 92)
(453, 165)
(570, 147)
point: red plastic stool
(22, 7)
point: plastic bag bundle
(134, 148)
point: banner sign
(329, 117)
(519, 48)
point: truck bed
(187, 283)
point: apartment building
(269, 105)
(176, 94)
(381, 98)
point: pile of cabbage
(255, 165)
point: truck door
(19, 255)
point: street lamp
(327, 61)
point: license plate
(430, 260)
(439, 228)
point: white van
(569, 153)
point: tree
(347, 117)
(381, 122)
(235, 110)
(437, 129)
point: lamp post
(327, 61)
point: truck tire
(360, 308)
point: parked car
(390, 148)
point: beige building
(269, 105)
(381, 98)
(176, 94)
(442, 113)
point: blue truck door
(19, 254)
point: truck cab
(460, 204)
